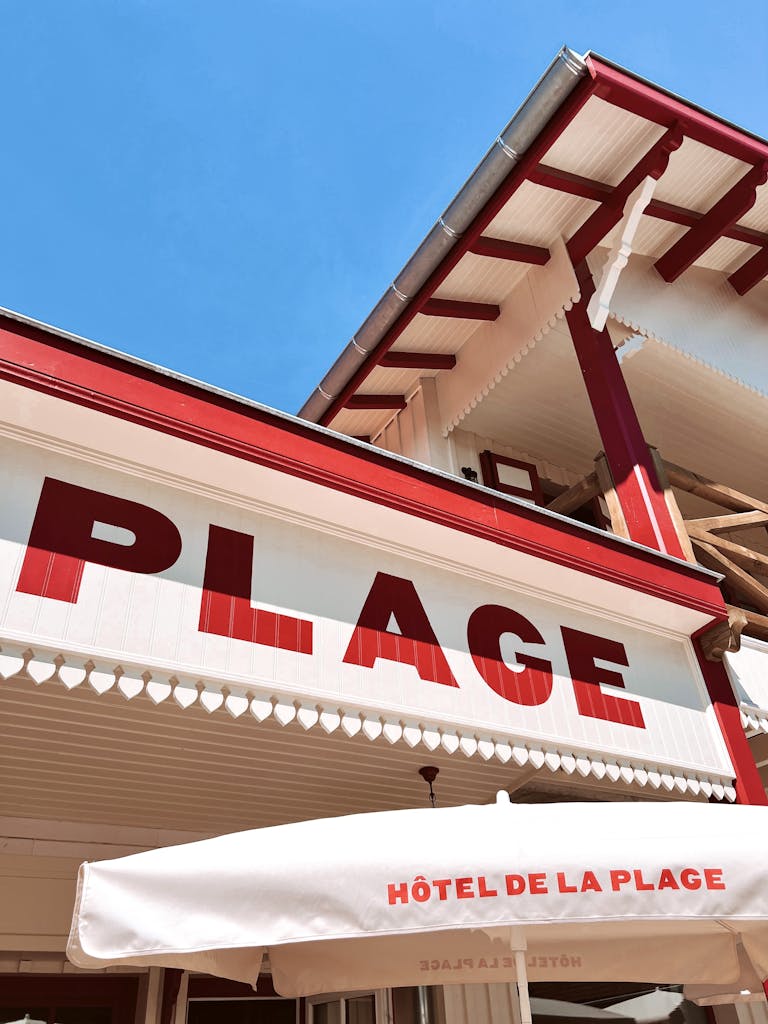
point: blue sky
(226, 188)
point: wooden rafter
(418, 360)
(375, 402)
(599, 192)
(723, 215)
(457, 309)
(502, 249)
(750, 273)
(609, 213)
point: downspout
(557, 82)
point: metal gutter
(554, 86)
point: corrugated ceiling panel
(538, 216)
(699, 418)
(391, 381)
(698, 176)
(541, 407)
(435, 334)
(481, 279)
(654, 237)
(80, 756)
(358, 423)
(757, 217)
(603, 142)
(726, 255)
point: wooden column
(637, 486)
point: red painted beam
(748, 784)
(375, 402)
(418, 360)
(650, 102)
(608, 214)
(573, 184)
(598, 191)
(634, 475)
(750, 273)
(459, 310)
(501, 249)
(561, 119)
(723, 215)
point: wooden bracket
(621, 250)
(725, 636)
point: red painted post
(749, 785)
(634, 476)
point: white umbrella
(670, 892)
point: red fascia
(653, 104)
(562, 118)
(37, 359)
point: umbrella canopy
(666, 893)
(649, 1007)
(560, 1009)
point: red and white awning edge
(47, 665)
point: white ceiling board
(700, 419)
(538, 216)
(541, 407)
(360, 422)
(482, 279)
(435, 334)
(603, 142)
(82, 757)
(697, 176)
(385, 380)
(757, 217)
(726, 255)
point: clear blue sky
(227, 187)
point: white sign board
(146, 575)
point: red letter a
(416, 644)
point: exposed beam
(723, 215)
(366, 438)
(460, 310)
(501, 249)
(750, 273)
(375, 402)
(418, 360)
(651, 166)
(573, 184)
(599, 192)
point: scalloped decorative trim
(646, 332)
(753, 720)
(48, 666)
(510, 364)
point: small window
(511, 476)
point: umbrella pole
(522, 987)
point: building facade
(517, 535)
